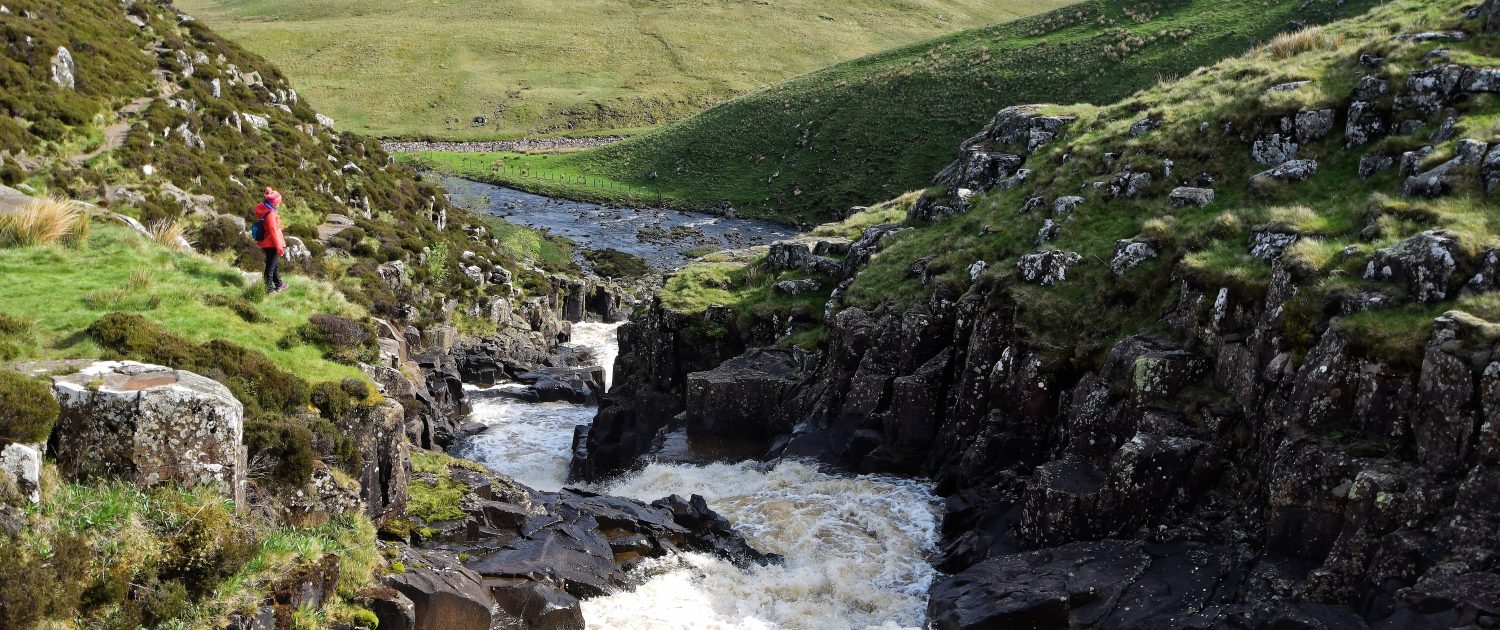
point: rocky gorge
(1241, 458)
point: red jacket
(273, 238)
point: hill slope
(870, 129)
(134, 143)
(419, 69)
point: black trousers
(273, 268)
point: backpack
(258, 228)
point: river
(857, 547)
(662, 237)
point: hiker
(267, 234)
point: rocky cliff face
(1235, 461)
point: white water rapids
(856, 547)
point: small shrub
(331, 399)
(334, 446)
(239, 305)
(45, 221)
(131, 336)
(29, 408)
(344, 340)
(204, 546)
(220, 234)
(33, 587)
(12, 174)
(252, 377)
(280, 450)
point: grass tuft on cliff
(873, 128)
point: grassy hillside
(164, 123)
(1340, 219)
(427, 69)
(870, 129)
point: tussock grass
(170, 234)
(1288, 45)
(45, 221)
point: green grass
(870, 129)
(437, 500)
(747, 288)
(426, 69)
(61, 290)
(182, 557)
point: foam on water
(856, 548)
(533, 442)
(604, 341)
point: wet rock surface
(524, 558)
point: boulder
(1440, 180)
(540, 605)
(1294, 170)
(1065, 587)
(393, 610)
(1267, 243)
(1065, 500)
(1490, 13)
(1444, 427)
(734, 399)
(1425, 264)
(1047, 267)
(1186, 196)
(296, 249)
(710, 532)
(151, 425)
(799, 287)
(1429, 90)
(1274, 149)
(1373, 163)
(1489, 170)
(64, 69)
(1366, 120)
(1129, 253)
(1047, 233)
(322, 499)
(1128, 184)
(1144, 126)
(446, 598)
(1411, 161)
(579, 385)
(1065, 205)
(1313, 125)
(21, 464)
(380, 436)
